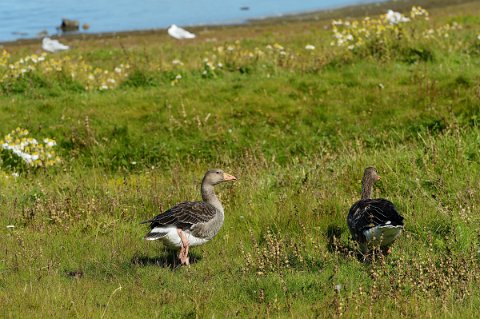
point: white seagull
(53, 45)
(179, 33)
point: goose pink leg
(183, 256)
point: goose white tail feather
(382, 235)
(159, 233)
(170, 238)
(154, 236)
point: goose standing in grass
(191, 223)
(374, 222)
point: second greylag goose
(191, 223)
(374, 222)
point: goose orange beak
(378, 177)
(228, 177)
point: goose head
(371, 174)
(217, 176)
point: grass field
(138, 119)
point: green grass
(297, 133)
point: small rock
(69, 25)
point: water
(26, 18)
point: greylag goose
(374, 222)
(191, 223)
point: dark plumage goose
(191, 223)
(374, 222)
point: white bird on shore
(53, 45)
(179, 33)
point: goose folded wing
(374, 212)
(184, 215)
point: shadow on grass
(169, 259)
(335, 245)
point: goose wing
(184, 215)
(368, 213)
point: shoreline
(350, 11)
(365, 9)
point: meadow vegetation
(126, 126)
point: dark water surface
(27, 18)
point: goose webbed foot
(184, 260)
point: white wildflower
(394, 17)
(49, 142)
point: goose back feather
(375, 221)
(184, 215)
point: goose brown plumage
(374, 222)
(191, 223)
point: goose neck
(208, 195)
(367, 186)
